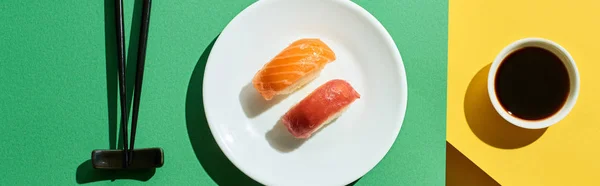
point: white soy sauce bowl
(567, 61)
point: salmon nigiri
(293, 67)
(319, 108)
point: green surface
(58, 97)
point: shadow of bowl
(487, 124)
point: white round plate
(246, 126)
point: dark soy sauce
(532, 83)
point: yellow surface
(460, 171)
(567, 153)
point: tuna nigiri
(319, 108)
(293, 67)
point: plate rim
(390, 44)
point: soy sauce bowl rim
(567, 60)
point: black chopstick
(139, 75)
(121, 70)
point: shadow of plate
(208, 153)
